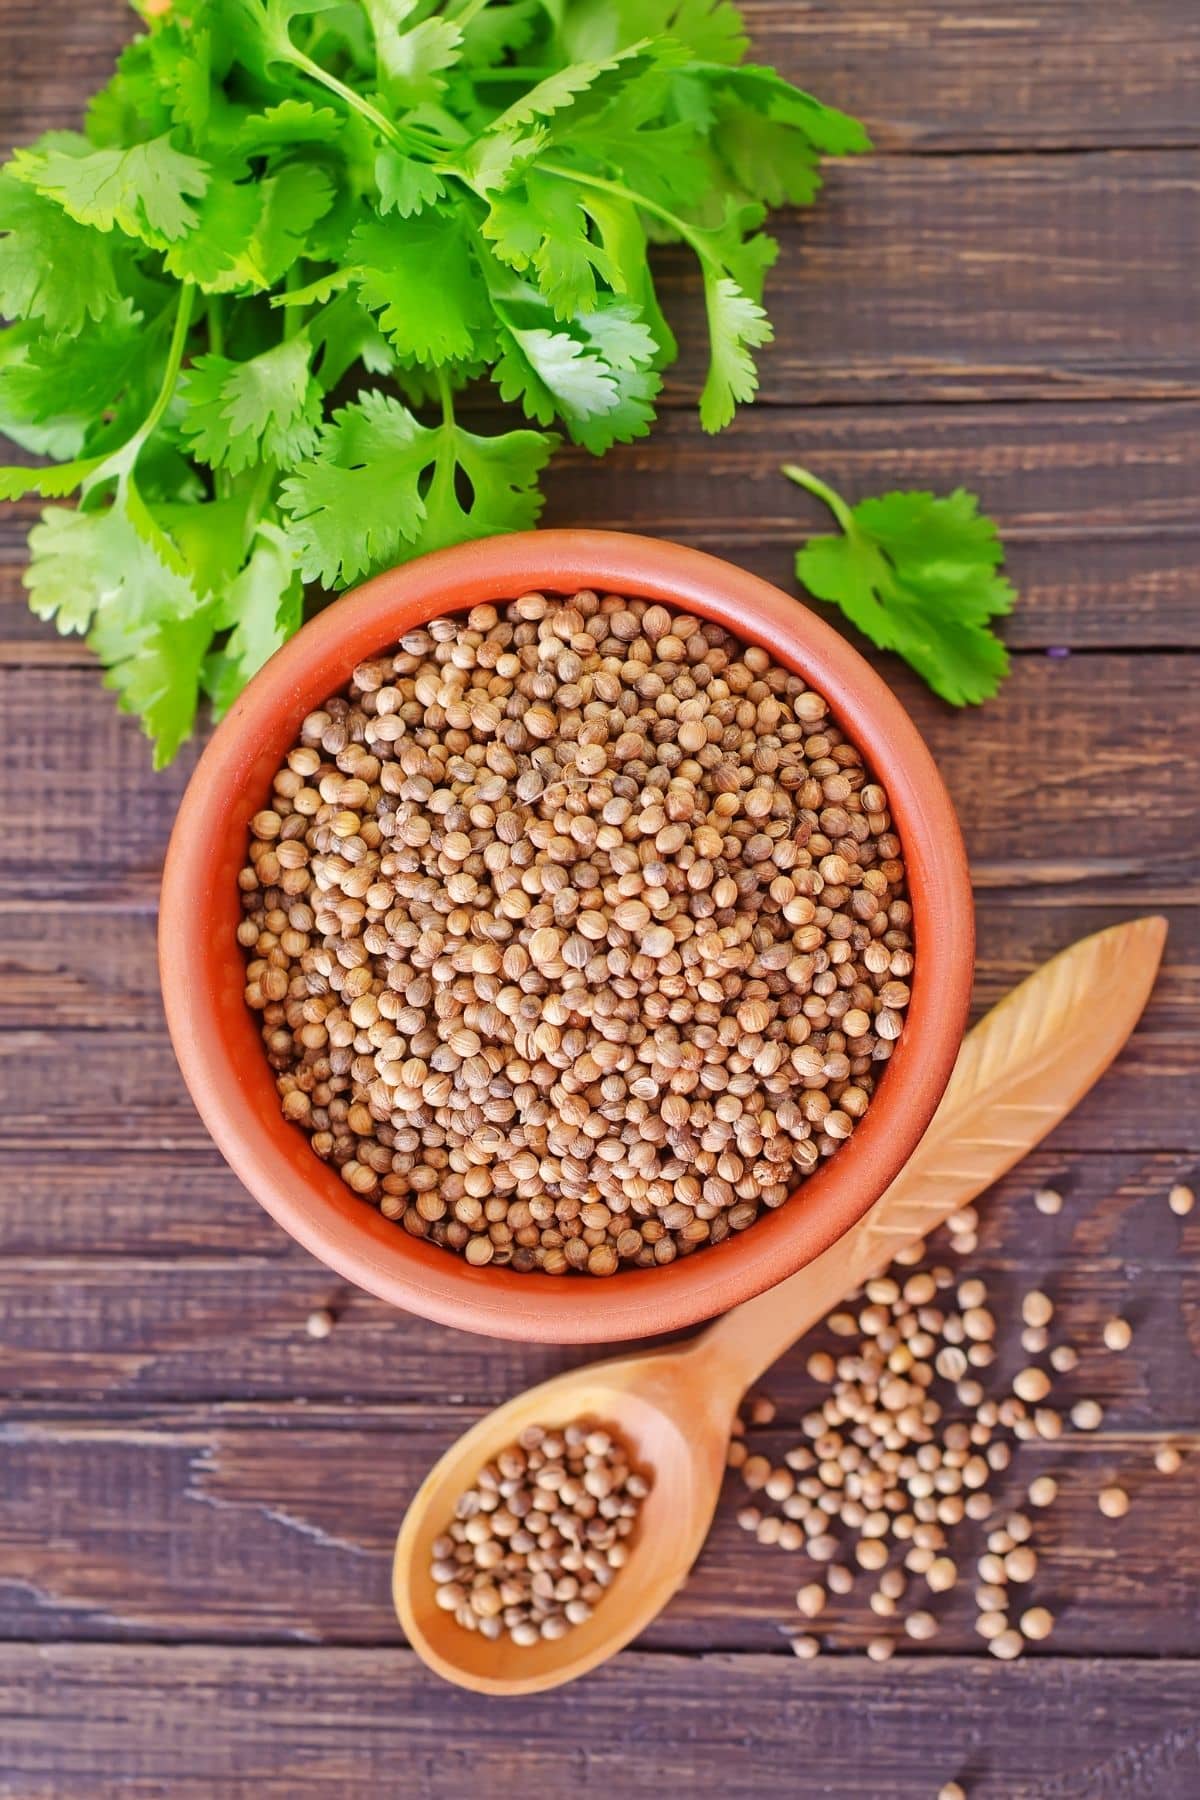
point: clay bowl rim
(216, 1039)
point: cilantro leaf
(917, 573)
(412, 53)
(405, 185)
(736, 326)
(260, 609)
(267, 408)
(145, 190)
(51, 267)
(383, 486)
(420, 276)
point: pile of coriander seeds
(578, 932)
(540, 1536)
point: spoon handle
(1019, 1072)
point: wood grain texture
(267, 1724)
(270, 1523)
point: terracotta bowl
(216, 1037)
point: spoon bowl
(675, 1433)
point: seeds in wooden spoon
(538, 1539)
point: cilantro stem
(215, 319)
(352, 99)
(837, 506)
(465, 14)
(175, 349)
(441, 486)
(620, 192)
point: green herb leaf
(145, 190)
(267, 408)
(917, 574)
(384, 487)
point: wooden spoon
(1019, 1072)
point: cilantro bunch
(248, 296)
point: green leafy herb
(247, 298)
(917, 573)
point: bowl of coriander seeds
(566, 936)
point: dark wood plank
(232, 1326)
(1035, 74)
(1103, 544)
(271, 1523)
(132, 1723)
(1069, 774)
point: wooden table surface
(197, 1500)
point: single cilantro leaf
(358, 501)
(261, 609)
(598, 375)
(917, 574)
(51, 267)
(412, 53)
(84, 564)
(737, 325)
(286, 124)
(75, 377)
(344, 333)
(543, 226)
(52, 482)
(420, 276)
(711, 30)
(265, 409)
(383, 487)
(831, 132)
(159, 680)
(405, 185)
(218, 253)
(145, 190)
(293, 200)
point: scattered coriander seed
(871, 1553)
(1064, 1358)
(991, 1599)
(810, 1599)
(1031, 1384)
(1047, 1423)
(769, 1529)
(806, 1648)
(1113, 1502)
(991, 1570)
(1037, 1308)
(951, 1790)
(1087, 1415)
(319, 1323)
(882, 1605)
(880, 1649)
(1118, 1334)
(1043, 1490)
(821, 1366)
(920, 1626)
(578, 934)
(495, 1575)
(756, 1472)
(749, 1517)
(839, 1579)
(736, 1454)
(761, 1410)
(1007, 1645)
(1021, 1564)
(941, 1574)
(1036, 1624)
(1181, 1200)
(1018, 1527)
(989, 1625)
(1034, 1339)
(1048, 1201)
(1167, 1459)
